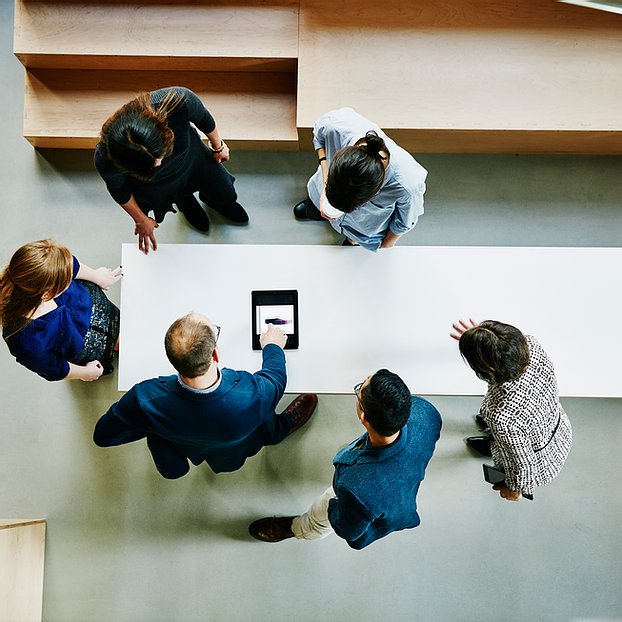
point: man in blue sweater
(377, 476)
(203, 413)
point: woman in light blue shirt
(366, 186)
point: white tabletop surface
(361, 311)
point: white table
(361, 311)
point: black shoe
(347, 242)
(233, 213)
(194, 213)
(300, 410)
(480, 444)
(305, 210)
(481, 423)
(272, 529)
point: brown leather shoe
(301, 409)
(272, 528)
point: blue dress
(48, 343)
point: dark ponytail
(374, 145)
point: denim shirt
(376, 487)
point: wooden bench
(85, 59)
(66, 108)
(22, 552)
(471, 76)
(467, 75)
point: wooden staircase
(85, 59)
(535, 76)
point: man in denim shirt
(377, 476)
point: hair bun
(375, 144)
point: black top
(122, 186)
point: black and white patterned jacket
(531, 433)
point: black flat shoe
(480, 444)
(193, 213)
(234, 213)
(305, 210)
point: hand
(461, 327)
(107, 277)
(144, 231)
(390, 239)
(507, 493)
(222, 156)
(91, 371)
(327, 210)
(273, 334)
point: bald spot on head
(190, 342)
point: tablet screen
(279, 315)
(278, 307)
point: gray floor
(123, 544)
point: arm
(104, 277)
(218, 147)
(519, 460)
(89, 372)
(406, 214)
(144, 225)
(273, 374)
(390, 239)
(409, 204)
(321, 153)
(118, 186)
(116, 427)
(326, 209)
(45, 362)
(52, 368)
(348, 516)
(202, 119)
(461, 327)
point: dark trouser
(110, 431)
(203, 173)
(268, 433)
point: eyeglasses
(357, 389)
(217, 330)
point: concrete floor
(126, 545)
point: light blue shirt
(201, 391)
(399, 203)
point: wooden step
(22, 557)
(217, 35)
(67, 107)
(467, 75)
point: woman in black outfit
(151, 157)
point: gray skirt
(103, 331)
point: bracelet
(322, 159)
(222, 146)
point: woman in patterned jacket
(530, 434)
